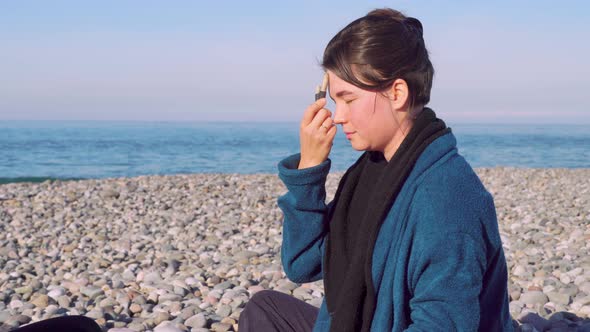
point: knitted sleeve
(447, 264)
(446, 283)
(304, 228)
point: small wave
(35, 179)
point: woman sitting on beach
(410, 241)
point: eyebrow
(340, 94)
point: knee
(259, 301)
(255, 309)
(262, 296)
(83, 323)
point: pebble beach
(186, 252)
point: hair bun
(414, 24)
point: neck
(397, 139)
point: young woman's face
(366, 117)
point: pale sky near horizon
(500, 62)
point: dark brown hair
(378, 48)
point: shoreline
(41, 179)
(189, 250)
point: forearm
(304, 227)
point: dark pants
(62, 324)
(270, 310)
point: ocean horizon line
(179, 121)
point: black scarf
(348, 281)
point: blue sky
(501, 62)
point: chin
(359, 147)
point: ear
(399, 95)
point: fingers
(328, 128)
(316, 135)
(320, 117)
(312, 110)
(327, 124)
(332, 133)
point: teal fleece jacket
(438, 262)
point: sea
(35, 151)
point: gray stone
(118, 284)
(585, 311)
(515, 307)
(153, 297)
(188, 312)
(220, 327)
(197, 320)
(41, 301)
(96, 313)
(180, 291)
(533, 297)
(245, 254)
(302, 293)
(223, 311)
(169, 297)
(161, 316)
(64, 301)
(11, 323)
(583, 300)
(519, 271)
(140, 299)
(571, 290)
(559, 298)
(22, 319)
(585, 287)
(173, 266)
(137, 326)
(92, 292)
(287, 284)
(128, 275)
(56, 293)
(108, 302)
(24, 290)
(15, 304)
(4, 316)
(223, 286)
(191, 281)
(167, 327)
(109, 193)
(152, 277)
(51, 310)
(135, 308)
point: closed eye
(349, 101)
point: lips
(349, 134)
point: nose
(339, 115)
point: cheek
(361, 116)
(359, 121)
